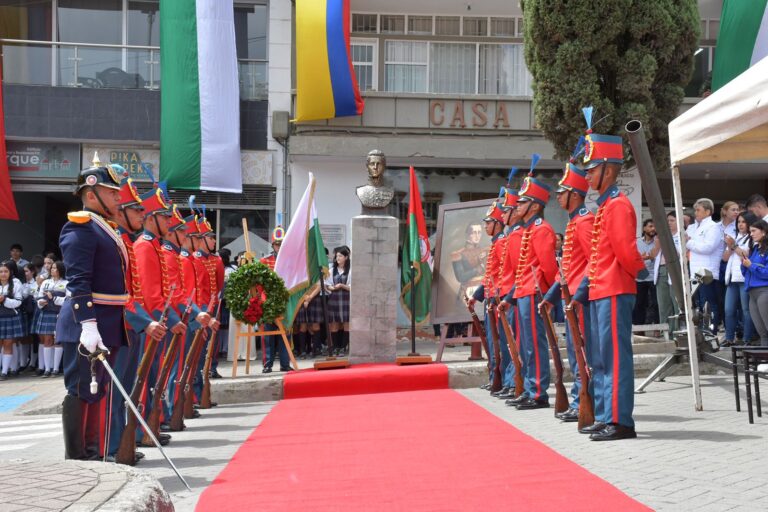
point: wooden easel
(249, 331)
(472, 337)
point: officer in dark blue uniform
(92, 318)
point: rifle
(561, 396)
(162, 380)
(586, 409)
(496, 380)
(205, 396)
(478, 328)
(126, 451)
(183, 406)
(519, 385)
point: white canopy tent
(731, 125)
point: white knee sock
(40, 356)
(58, 353)
(15, 358)
(48, 358)
(7, 362)
(24, 358)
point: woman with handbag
(10, 318)
(50, 297)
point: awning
(731, 125)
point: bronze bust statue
(375, 196)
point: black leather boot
(92, 430)
(72, 425)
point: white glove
(41, 303)
(90, 337)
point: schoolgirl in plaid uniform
(338, 302)
(50, 297)
(27, 356)
(11, 291)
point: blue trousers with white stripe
(534, 350)
(613, 369)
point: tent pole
(693, 349)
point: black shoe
(164, 427)
(486, 386)
(614, 432)
(215, 374)
(570, 415)
(14, 373)
(289, 369)
(591, 429)
(514, 401)
(47, 374)
(137, 456)
(510, 393)
(57, 373)
(267, 369)
(195, 414)
(40, 373)
(3, 376)
(532, 404)
(502, 391)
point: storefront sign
(42, 160)
(488, 115)
(137, 161)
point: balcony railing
(98, 66)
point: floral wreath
(255, 294)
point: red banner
(7, 204)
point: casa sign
(479, 114)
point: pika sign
(490, 115)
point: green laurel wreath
(238, 292)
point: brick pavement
(711, 460)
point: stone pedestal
(374, 291)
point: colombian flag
(325, 78)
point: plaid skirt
(338, 306)
(45, 323)
(26, 322)
(315, 311)
(301, 316)
(10, 327)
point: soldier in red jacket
(577, 245)
(537, 255)
(613, 265)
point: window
(25, 19)
(364, 62)
(447, 25)
(420, 25)
(251, 46)
(365, 23)
(143, 23)
(452, 68)
(503, 27)
(503, 70)
(90, 21)
(701, 80)
(392, 24)
(405, 68)
(475, 26)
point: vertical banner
(7, 204)
(200, 96)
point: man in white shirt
(705, 250)
(758, 205)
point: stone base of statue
(374, 291)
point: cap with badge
(278, 234)
(533, 188)
(202, 226)
(574, 178)
(129, 194)
(494, 213)
(509, 196)
(599, 149)
(97, 174)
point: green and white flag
(199, 96)
(301, 261)
(743, 39)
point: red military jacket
(269, 261)
(488, 288)
(175, 275)
(577, 246)
(153, 275)
(203, 277)
(136, 316)
(511, 256)
(189, 276)
(614, 259)
(537, 249)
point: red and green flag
(416, 253)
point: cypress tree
(630, 59)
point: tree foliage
(630, 59)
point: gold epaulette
(81, 217)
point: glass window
(503, 70)
(143, 23)
(405, 68)
(447, 25)
(475, 26)
(364, 23)
(503, 27)
(251, 31)
(420, 25)
(701, 80)
(90, 21)
(25, 19)
(392, 24)
(452, 68)
(363, 60)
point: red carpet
(413, 450)
(364, 379)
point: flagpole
(413, 311)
